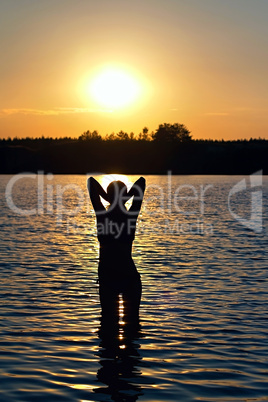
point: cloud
(217, 114)
(52, 112)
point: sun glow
(115, 88)
(105, 180)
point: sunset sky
(202, 63)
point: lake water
(203, 264)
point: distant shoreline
(195, 157)
(128, 174)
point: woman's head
(117, 193)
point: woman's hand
(95, 192)
(137, 188)
(94, 187)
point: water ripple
(203, 314)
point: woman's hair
(117, 191)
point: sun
(114, 88)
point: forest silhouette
(169, 148)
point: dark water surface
(204, 304)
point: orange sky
(202, 63)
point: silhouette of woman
(117, 272)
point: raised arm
(137, 191)
(95, 191)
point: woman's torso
(116, 226)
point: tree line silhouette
(169, 148)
